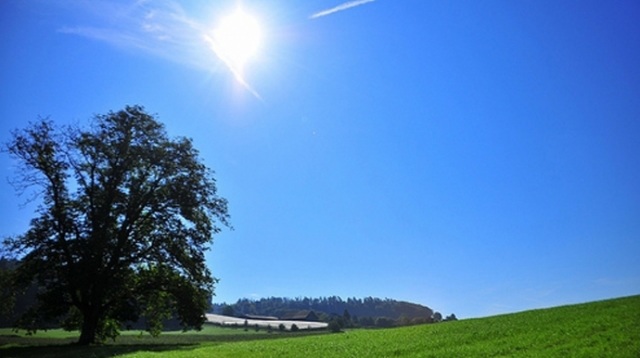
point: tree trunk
(89, 328)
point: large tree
(126, 216)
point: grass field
(59, 343)
(600, 329)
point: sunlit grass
(600, 329)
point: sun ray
(235, 40)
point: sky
(477, 157)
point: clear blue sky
(478, 157)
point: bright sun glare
(235, 40)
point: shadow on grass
(16, 346)
(25, 346)
(107, 350)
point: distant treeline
(354, 312)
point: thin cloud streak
(341, 7)
(158, 28)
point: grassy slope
(599, 329)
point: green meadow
(608, 328)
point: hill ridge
(362, 311)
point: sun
(235, 40)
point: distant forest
(353, 312)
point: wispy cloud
(341, 7)
(161, 28)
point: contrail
(345, 6)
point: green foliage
(126, 216)
(346, 318)
(7, 295)
(109, 328)
(73, 320)
(334, 326)
(227, 310)
(383, 322)
(437, 317)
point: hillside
(363, 312)
(598, 329)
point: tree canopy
(125, 219)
